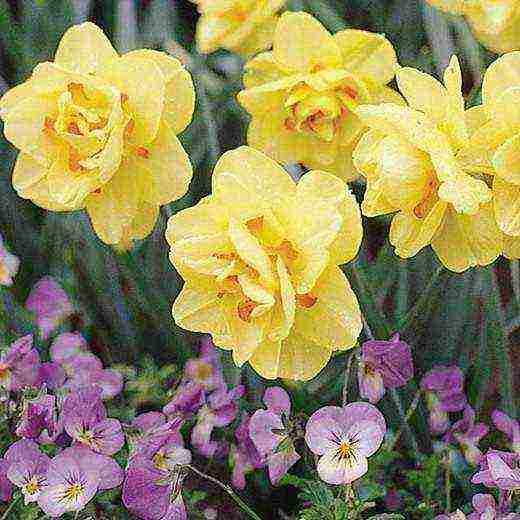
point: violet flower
(444, 387)
(6, 486)
(39, 415)
(486, 508)
(384, 365)
(187, 400)
(271, 432)
(52, 375)
(468, 434)
(509, 426)
(51, 305)
(153, 491)
(20, 365)
(244, 456)
(27, 468)
(74, 477)
(206, 370)
(499, 469)
(9, 265)
(67, 345)
(220, 411)
(344, 438)
(85, 420)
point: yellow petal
(115, 206)
(334, 321)
(342, 166)
(166, 167)
(409, 235)
(423, 92)
(367, 54)
(451, 6)
(302, 44)
(261, 69)
(84, 48)
(506, 160)
(16, 95)
(501, 75)
(249, 249)
(375, 202)
(144, 84)
(258, 40)
(511, 247)
(465, 193)
(456, 119)
(27, 171)
(144, 221)
(507, 206)
(288, 304)
(179, 94)
(366, 154)
(25, 124)
(465, 241)
(506, 109)
(329, 188)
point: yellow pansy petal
(249, 249)
(367, 54)
(84, 48)
(506, 160)
(179, 94)
(327, 187)
(507, 206)
(115, 206)
(334, 320)
(144, 84)
(501, 75)
(423, 92)
(25, 124)
(27, 171)
(466, 241)
(302, 43)
(167, 168)
(409, 234)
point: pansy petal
(261, 426)
(324, 429)
(277, 400)
(335, 470)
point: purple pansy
(206, 370)
(85, 420)
(52, 375)
(39, 415)
(152, 489)
(270, 431)
(187, 400)
(243, 455)
(444, 387)
(221, 410)
(384, 364)
(468, 434)
(20, 365)
(67, 345)
(9, 265)
(74, 477)
(27, 468)
(51, 305)
(486, 508)
(344, 438)
(6, 487)
(509, 426)
(499, 469)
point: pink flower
(509, 426)
(206, 370)
(9, 265)
(51, 305)
(486, 508)
(344, 438)
(499, 469)
(6, 487)
(20, 365)
(270, 431)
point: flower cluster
(495, 24)
(98, 131)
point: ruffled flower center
(73, 492)
(320, 113)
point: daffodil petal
(506, 197)
(500, 76)
(506, 160)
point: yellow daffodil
(260, 262)
(302, 96)
(418, 162)
(496, 145)
(242, 26)
(495, 22)
(97, 131)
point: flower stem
(447, 483)
(10, 508)
(227, 489)
(407, 417)
(346, 380)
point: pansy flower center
(33, 486)
(73, 492)
(319, 113)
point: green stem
(407, 417)
(447, 484)
(10, 508)
(347, 378)
(228, 490)
(421, 303)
